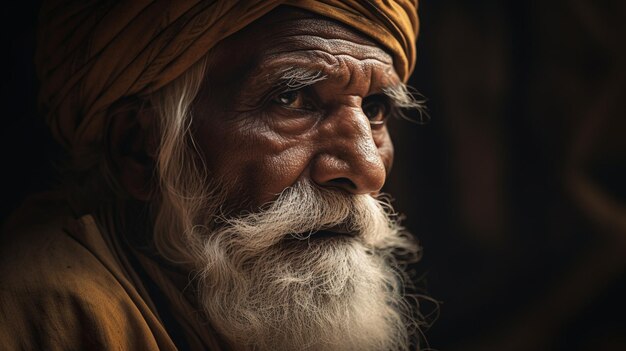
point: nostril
(343, 183)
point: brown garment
(67, 285)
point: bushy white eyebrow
(403, 97)
(294, 78)
(406, 98)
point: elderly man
(225, 165)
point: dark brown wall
(25, 143)
(516, 188)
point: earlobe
(131, 149)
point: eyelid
(271, 94)
(385, 103)
(307, 101)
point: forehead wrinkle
(320, 25)
(353, 75)
(331, 46)
(364, 78)
(336, 68)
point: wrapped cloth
(93, 53)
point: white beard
(266, 282)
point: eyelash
(385, 107)
(308, 105)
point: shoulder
(38, 252)
(56, 293)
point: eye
(287, 98)
(292, 99)
(376, 108)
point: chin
(320, 293)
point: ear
(132, 142)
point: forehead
(289, 37)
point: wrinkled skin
(264, 139)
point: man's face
(295, 97)
(290, 124)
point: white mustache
(304, 209)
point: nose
(348, 158)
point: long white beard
(266, 282)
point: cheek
(273, 172)
(271, 168)
(385, 148)
(260, 164)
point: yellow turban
(92, 53)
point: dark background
(516, 188)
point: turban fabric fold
(91, 54)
